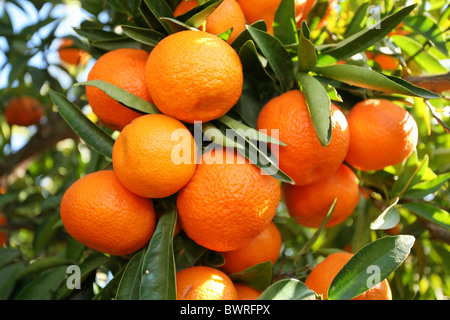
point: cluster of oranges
(224, 202)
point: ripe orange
(98, 211)
(382, 134)
(245, 292)
(154, 156)
(23, 111)
(306, 6)
(194, 76)
(70, 54)
(204, 283)
(3, 226)
(309, 204)
(226, 16)
(385, 61)
(320, 278)
(304, 159)
(228, 201)
(123, 68)
(264, 247)
(255, 10)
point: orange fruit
(303, 158)
(194, 76)
(255, 10)
(226, 16)
(320, 278)
(23, 111)
(228, 201)
(245, 292)
(3, 226)
(204, 283)
(309, 204)
(385, 61)
(123, 68)
(154, 156)
(98, 211)
(382, 134)
(70, 54)
(264, 247)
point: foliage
(39, 163)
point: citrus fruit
(320, 278)
(123, 68)
(3, 226)
(264, 247)
(385, 61)
(227, 202)
(226, 16)
(308, 205)
(303, 158)
(98, 211)
(245, 292)
(23, 111)
(154, 156)
(204, 283)
(194, 76)
(70, 54)
(382, 134)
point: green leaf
(146, 36)
(129, 285)
(253, 63)
(287, 289)
(388, 219)
(95, 137)
(43, 286)
(319, 106)
(307, 57)
(155, 11)
(284, 25)
(425, 188)
(369, 266)
(258, 276)
(373, 80)
(423, 58)
(8, 255)
(158, 268)
(429, 212)
(199, 14)
(187, 251)
(358, 20)
(429, 29)
(123, 96)
(44, 264)
(367, 37)
(276, 55)
(8, 279)
(410, 174)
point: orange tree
(329, 59)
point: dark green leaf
(284, 25)
(8, 255)
(276, 55)
(258, 276)
(370, 79)
(82, 126)
(287, 289)
(388, 219)
(146, 36)
(158, 268)
(44, 264)
(429, 212)
(358, 20)
(307, 57)
(199, 14)
(123, 96)
(369, 266)
(129, 285)
(410, 174)
(8, 278)
(157, 10)
(319, 106)
(43, 286)
(367, 37)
